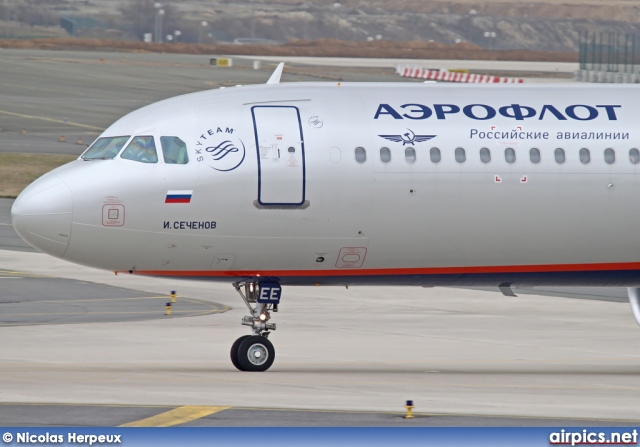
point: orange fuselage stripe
(552, 268)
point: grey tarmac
(52, 415)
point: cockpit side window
(105, 148)
(174, 151)
(141, 149)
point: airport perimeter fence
(609, 57)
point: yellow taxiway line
(177, 416)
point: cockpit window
(142, 149)
(174, 151)
(105, 148)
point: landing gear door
(281, 161)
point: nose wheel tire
(253, 353)
(234, 351)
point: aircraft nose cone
(42, 215)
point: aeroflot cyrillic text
(482, 112)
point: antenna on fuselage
(275, 77)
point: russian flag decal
(178, 196)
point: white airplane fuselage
(276, 187)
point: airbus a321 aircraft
(397, 184)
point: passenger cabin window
(634, 156)
(609, 156)
(410, 155)
(559, 155)
(434, 155)
(361, 155)
(585, 156)
(385, 155)
(534, 155)
(174, 151)
(141, 149)
(485, 155)
(461, 155)
(510, 155)
(105, 148)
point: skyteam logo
(408, 137)
(220, 149)
(226, 155)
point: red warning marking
(523, 179)
(493, 127)
(351, 257)
(113, 215)
(519, 127)
(497, 179)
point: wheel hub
(258, 354)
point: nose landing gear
(252, 353)
(255, 352)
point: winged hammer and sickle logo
(408, 137)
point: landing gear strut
(255, 352)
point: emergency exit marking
(523, 179)
(497, 179)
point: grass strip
(17, 171)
